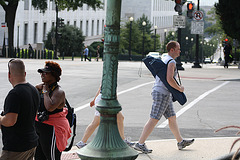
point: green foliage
(70, 41)
(216, 28)
(229, 14)
(94, 48)
(66, 4)
(137, 37)
(171, 36)
(148, 24)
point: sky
(206, 2)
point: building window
(68, 23)
(26, 4)
(25, 33)
(44, 31)
(97, 27)
(75, 23)
(92, 28)
(35, 33)
(103, 26)
(53, 24)
(86, 28)
(81, 25)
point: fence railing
(49, 54)
(26, 53)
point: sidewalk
(201, 149)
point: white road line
(190, 105)
(119, 93)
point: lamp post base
(107, 145)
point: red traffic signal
(190, 6)
(178, 6)
(226, 40)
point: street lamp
(173, 34)
(18, 25)
(155, 36)
(143, 24)
(130, 38)
(165, 35)
(191, 45)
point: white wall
(31, 17)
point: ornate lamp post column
(107, 144)
(130, 38)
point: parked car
(154, 54)
(207, 60)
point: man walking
(85, 53)
(227, 52)
(18, 118)
(163, 104)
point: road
(212, 92)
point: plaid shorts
(162, 105)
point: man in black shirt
(17, 121)
(227, 52)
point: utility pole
(56, 32)
(178, 8)
(196, 63)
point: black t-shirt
(23, 99)
(227, 49)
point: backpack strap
(74, 127)
(177, 73)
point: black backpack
(72, 118)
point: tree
(216, 28)
(148, 24)
(71, 40)
(229, 14)
(137, 37)
(10, 8)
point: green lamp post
(107, 144)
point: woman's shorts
(96, 101)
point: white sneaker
(80, 144)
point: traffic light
(60, 22)
(226, 40)
(178, 6)
(190, 8)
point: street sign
(197, 27)
(198, 15)
(179, 21)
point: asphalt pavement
(213, 102)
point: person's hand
(45, 87)
(39, 87)
(181, 89)
(92, 103)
